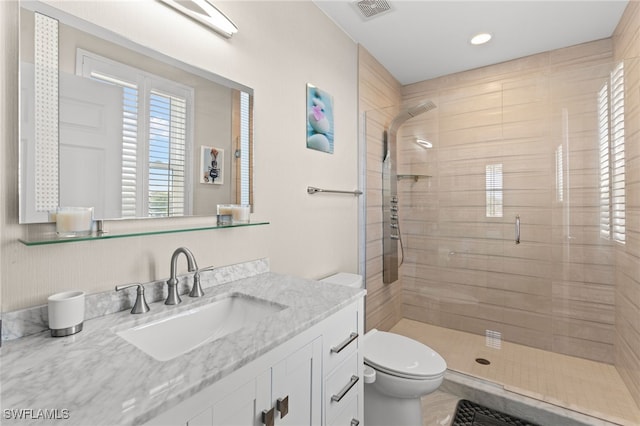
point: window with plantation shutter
(617, 155)
(167, 151)
(612, 157)
(605, 166)
(559, 174)
(155, 137)
(129, 151)
(493, 188)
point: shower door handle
(517, 229)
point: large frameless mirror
(109, 124)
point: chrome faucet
(173, 298)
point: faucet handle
(140, 307)
(196, 290)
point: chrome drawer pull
(346, 389)
(341, 346)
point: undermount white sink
(167, 338)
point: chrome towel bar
(313, 190)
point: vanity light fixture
(424, 143)
(480, 38)
(205, 13)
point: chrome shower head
(414, 111)
(421, 108)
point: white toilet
(398, 372)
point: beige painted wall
(281, 46)
(626, 44)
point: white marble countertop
(97, 378)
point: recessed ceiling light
(481, 38)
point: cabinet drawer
(341, 337)
(347, 415)
(341, 386)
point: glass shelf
(52, 238)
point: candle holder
(225, 214)
(66, 313)
(241, 213)
(74, 221)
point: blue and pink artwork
(319, 119)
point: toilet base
(384, 410)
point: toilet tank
(344, 278)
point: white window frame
(88, 63)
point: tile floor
(576, 384)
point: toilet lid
(401, 356)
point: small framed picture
(211, 165)
(319, 119)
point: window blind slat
(612, 157)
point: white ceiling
(420, 40)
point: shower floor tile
(585, 386)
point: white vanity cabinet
(292, 384)
(343, 366)
(238, 407)
(295, 395)
(285, 393)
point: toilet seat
(401, 356)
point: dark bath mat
(471, 414)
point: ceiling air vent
(371, 8)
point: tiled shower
(521, 146)
(535, 139)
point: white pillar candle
(225, 209)
(74, 221)
(241, 213)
